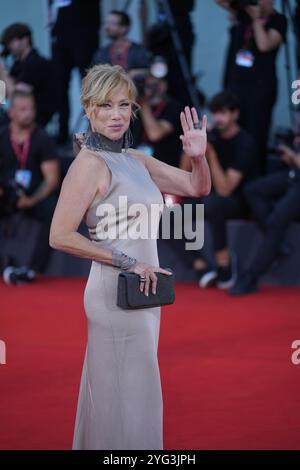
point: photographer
(274, 200)
(158, 128)
(29, 176)
(29, 72)
(257, 32)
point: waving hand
(194, 138)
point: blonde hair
(101, 81)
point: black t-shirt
(242, 37)
(169, 148)
(238, 152)
(38, 72)
(41, 148)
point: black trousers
(43, 213)
(74, 50)
(275, 203)
(217, 211)
(257, 100)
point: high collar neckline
(97, 141)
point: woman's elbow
(206, 186)
(204, 190)
(55, 240)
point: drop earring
(128, 139)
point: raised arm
(266, 40)
(174, 180)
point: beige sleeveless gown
(120, 402)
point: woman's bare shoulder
(87, 176)
(87, 166)
(89, 159)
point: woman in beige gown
(120, 403)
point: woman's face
(112, 118)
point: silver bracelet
(121, 260)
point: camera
(140, 83)
(158, 69)
(241, 4)
(8, 200)
(283, 136)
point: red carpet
(228, 380)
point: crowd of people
(244, 186)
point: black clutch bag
(129, 295)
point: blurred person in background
(121, 50)
(274, 201)
(29, 177)
(75, 38)
(257, 33)
(30, 71)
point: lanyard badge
(244, 58)
(23, 176)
